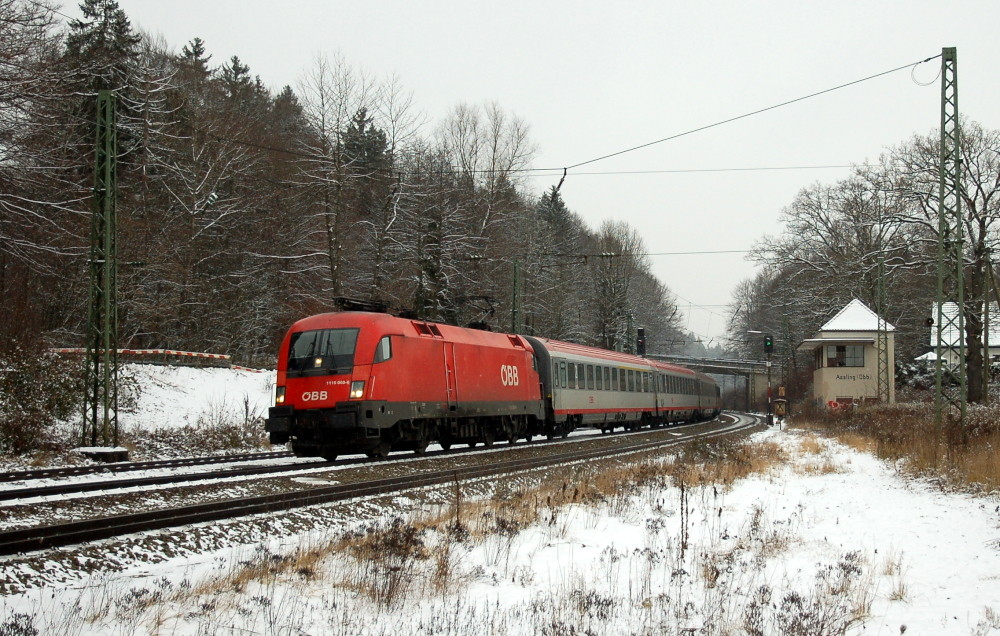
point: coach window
(645, 382)
(599, 378)
(571, 368)
(384, 350)
(562, 374)
(607, 378)
(631, 380)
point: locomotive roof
(410, 327)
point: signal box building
(845, 370)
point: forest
(240, 210)
(835, 234)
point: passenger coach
(586, 386)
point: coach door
(450, 375)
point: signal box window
(322, 352)
(845, 355)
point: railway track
(63, 534)
(175, 478)
(73, 471)
(161, 480)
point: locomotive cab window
(384, 350)
(322, 352)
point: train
(373, 383)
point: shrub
(37, 391)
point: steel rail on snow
(159, 480)
(63, 534)
(73, 471)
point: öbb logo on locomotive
(315, 396)
(508, 375)
(352, 382)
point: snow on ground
(831, 535)
(814, 538)
(173, 396)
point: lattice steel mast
(100, 410)
(950, 382)
(882, 339)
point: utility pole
(950, 381)
(768, 350)
(515, 305)
(100, 411)
(882, 336)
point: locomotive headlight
(357, 389)
(318, 362)
(279, 396)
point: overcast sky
(596, 77)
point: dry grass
(393, 566)
(906, 434)
(384, 554)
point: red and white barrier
(164, 353)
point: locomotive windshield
(322, 352)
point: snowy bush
(37, 391)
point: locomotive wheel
(421, 447)
(489, 437)
(382, 450)
(445, 445)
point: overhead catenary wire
(565, 170)
(749, 114)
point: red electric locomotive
(367, 382)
